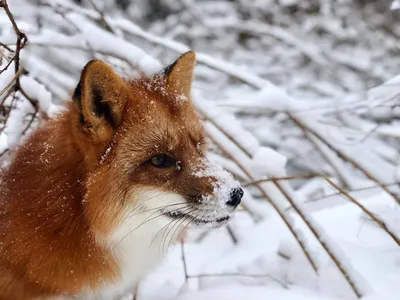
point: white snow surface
(254, 269)
(254, 78)
(395, 5)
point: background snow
(292, 89)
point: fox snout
(211, 193)
(236, 196)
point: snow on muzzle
(226, 192)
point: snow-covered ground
(297, 91)
(264, 262)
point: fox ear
(100, 96)
(180, 74)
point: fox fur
(86, 207)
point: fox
(93, 198)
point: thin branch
(33, 102)
(9, 112)
(343, 156)
(6, 47)
(365, 210)
(8, 64)
(21, 39)
(232, 235)
(321, 240)
(4, 55)
(86, 49)
(184, 261)
(268, 179)
(281, 213)
(136, 292)
(350, 191)
(284, 285)
(6, 95)
(313, 229)
(30, 122)
(14, 79)
(4, 152)
(327, 157)
(103, 21)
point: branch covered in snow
(299, 90)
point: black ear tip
(169, 69)
(76, 96)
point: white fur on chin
(141, 240)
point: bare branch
(344, 156)
(184, 261)
(301, 176)
(14, 79)
(255, 276)
(103, 21)
(322, 241)
(280, 212)
(365, 210)
(21, 39)
(6, 47)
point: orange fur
(65, 192)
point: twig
(281, 213)
(21, 39)
(343, 156)
(321, 240)
(313, 229)
(184, 261)
(102, 18)
(325, 155)
(231, 234)
(365, 210)
(301, 176)
(350, 191)
(33, 102)
(8, 64)
(30, 122)
(86, 49)
(62, 14)
(9, 112)
(6, 47)
(4, 152)
(136, 292)
(241, 275)
(4, 55)
(6, 95)
(14, 79)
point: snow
(254, 293)
(15, 126)
(37, 91)
(107, 41)
(224, 182)
(258, 257)
(263, 65)
(268, 161)
(395, 5)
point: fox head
(144, 149)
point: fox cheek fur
(92, 200)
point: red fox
(92, 200)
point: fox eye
(162, 161)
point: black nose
(236, 196)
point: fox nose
(235, 197)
